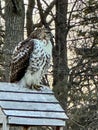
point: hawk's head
(41, 33)
(44, 35)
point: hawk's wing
(20, 59)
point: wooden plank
(1, 112)
(34, 121)
(16, 88)
(5, 124)
(31, 106)
(27, 97)
(61, 128)
(36, 114)
(1, 116)
(1, 119)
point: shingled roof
(23, 106)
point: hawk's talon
(37, 87)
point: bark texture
(14, 30)
(29, 14)
(60, 67)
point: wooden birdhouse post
(25, 107)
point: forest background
(74, 67)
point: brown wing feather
(20, 60)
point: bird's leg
(37, 87)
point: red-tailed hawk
(31, 59)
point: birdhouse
(25, 107)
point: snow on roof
(23, 106)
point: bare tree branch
(49, 8)
(69, 19)
(42, 15)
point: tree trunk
(29, 22)
(60, 67)
(14, 30)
